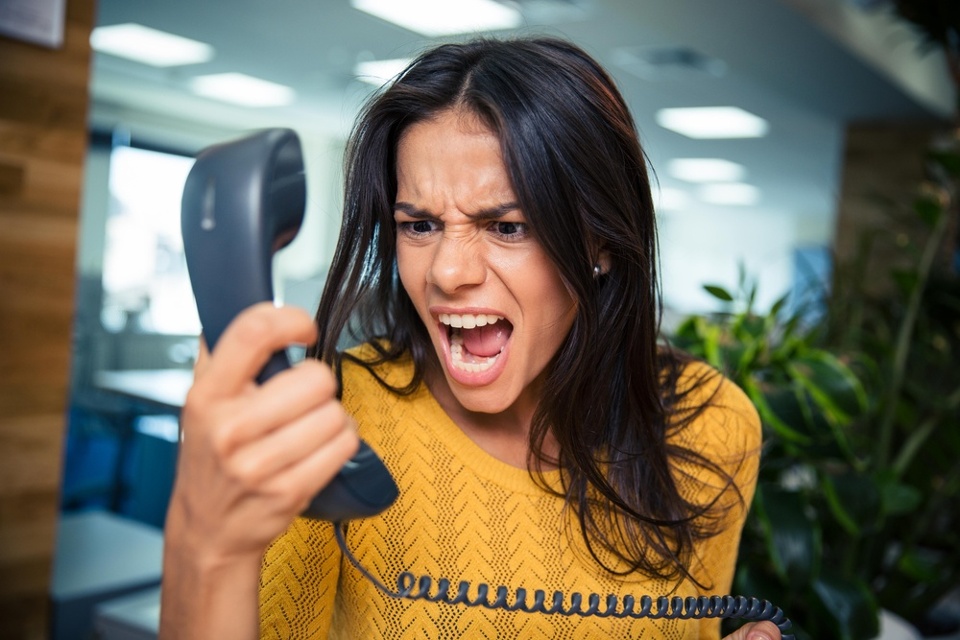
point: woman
(496, 265)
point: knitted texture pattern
(464, 515)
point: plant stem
(904, 335)
(926, 429)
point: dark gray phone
(242, 202)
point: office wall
(43, 107)
(883, 168)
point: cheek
(545, 285)
(410, 267)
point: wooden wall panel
(883, 166)
(43, 109)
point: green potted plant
(807, 399)
(858, 501)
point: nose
(457, 262)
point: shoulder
(715, 433)
(364, 366)
(710, 406)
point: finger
(265, 457)
(251, 339)
(765, 630)
(300, 482)
(293, 392)
(281, 400)
(203, 358)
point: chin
(487, 400)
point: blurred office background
(812, 93)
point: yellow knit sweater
(464, 515)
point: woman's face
(494, 304)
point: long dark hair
(580, 176)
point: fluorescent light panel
(149, 46)
(669, 199)
(713, 122)
(729, 193)
(705, 170)
(377, 72)
(443, 17)
(241, 89)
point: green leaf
(752, 296)
(832, 384)
(921, 566)
(897, 498)
(793, 540)
(771, 419)
(949, 160)
(778, 305)
(849, 603)
(718, 292)
(753, 327)
(854, 499)
(929, 209)
(905, 280)
(711, 344)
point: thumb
(765, 630)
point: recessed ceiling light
(659, 62)
(149, 46)
(713, 122)
(729, 193)
(443, 17)
(668, 199)
(705, 170)
(239, 88)
(379, 71)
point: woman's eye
(511, 230)
(417, 227)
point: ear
(603, 261)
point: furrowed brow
(490, 213)
(412, 211)
(494, 213)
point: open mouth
(476, 340)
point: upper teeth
(468, 320)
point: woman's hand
(250, 460)
(765, 630)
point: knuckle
(320, 376)
(333, 419)
(225, 437)
(247, 472)
(291, 496)
(253, 328)
(194, 402)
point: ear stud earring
(596, 270)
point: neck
(504, 435)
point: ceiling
(807, 66)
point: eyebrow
(490, 213)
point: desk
(99, 556)
(159, 390)
(147, 437)
(133, 617)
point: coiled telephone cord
(412, 588)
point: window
(146, 287)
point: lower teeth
(456, 356)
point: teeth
(456, 356)
(468, 320)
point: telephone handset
(244, 200)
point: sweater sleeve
(298, 582)
(727, 433)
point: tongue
(487, 340)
